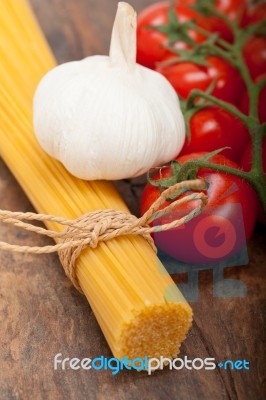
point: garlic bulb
(108, 117)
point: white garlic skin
(107, 122)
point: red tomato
(220, 230)
(213, 128)
(255, 55)
(233, 9)
(186, 76)
(254, 14)
(151, 43)
(219, 26)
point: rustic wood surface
(42, 315)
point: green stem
(261, 84)
(252, 89)
(207, 34)
(192, 164)
(226, 55)
(257, 156)
(254, 28)
(257, 180)
(223, 104)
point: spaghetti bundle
(138, 306)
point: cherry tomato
(186, 76)
(220, 230)
(213, 128)
(233, 9)
(219, 26)
(151, 43)
(254, 14)
(255, 55)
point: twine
(102, 225)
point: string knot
(95, 227)
(102, 225)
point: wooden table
(42, 315)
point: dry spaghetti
(101, 225)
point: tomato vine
(232, 53)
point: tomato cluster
(212, 127)
(153, 52)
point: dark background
(42, 315)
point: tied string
(102, 225)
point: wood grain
(42, 315)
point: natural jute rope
(102, 225)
